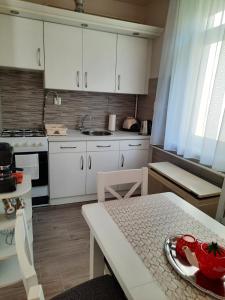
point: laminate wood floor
(61, 251)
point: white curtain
(189, 114)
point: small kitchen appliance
(7, 180)
(31, 154)
(144, 128)
(131, 123)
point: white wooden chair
(105, 181)
(24, 251)
(220, 214)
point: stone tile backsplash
(22, 96)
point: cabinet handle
(85, 78)
(138, 145)
(122, 160)
(101, 146)
(78, 79)
(82, 162)
(118, 82)
(62, 147)
(39, 56)
(89, 162)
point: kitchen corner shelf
(22, 189)
(9, 267)
(9, 272)
(6, 251)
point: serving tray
(214, 288)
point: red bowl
(186, 240)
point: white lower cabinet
(67, 174)
(99, 161)
(73, 166)
(133, 159)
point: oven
(39, 177)
(30, 147)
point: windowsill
(191, 161)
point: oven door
(35, 164)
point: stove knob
(25, 145)
(40, 144)
(34, 145)
(16, 145)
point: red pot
(211, 263)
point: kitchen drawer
(67, 147)
(102, 145)
(134, 144)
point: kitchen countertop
(76, 135)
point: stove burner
(23, 132)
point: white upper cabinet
(21, 43)
(99, 61)
(132, 65)
(63, 57)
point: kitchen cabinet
(101, 156)
(63, 57)
(67, 167)
(99, 161)
(99, 61)
(133, 159)
(21, 43)
(90, 60)
(132, 65)
(73, 165)
(133, 155)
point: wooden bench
(165, 176)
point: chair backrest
(220, 214)
(36, 293)
(24, 251)
(105, 181)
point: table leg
(96, 258)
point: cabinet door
(99, 61)
(63, 57)
(67, 174)
(21, 43)
(133, 159)
(132, 64)
(99, 161)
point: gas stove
(25, 140)
(34, 132)
(30, 147)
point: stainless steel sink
(96, 132)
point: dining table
(130, 235)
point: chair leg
(97, 263)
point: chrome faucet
(82, 121)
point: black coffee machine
(7, 180)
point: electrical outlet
(57, 100)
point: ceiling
(136, 2)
